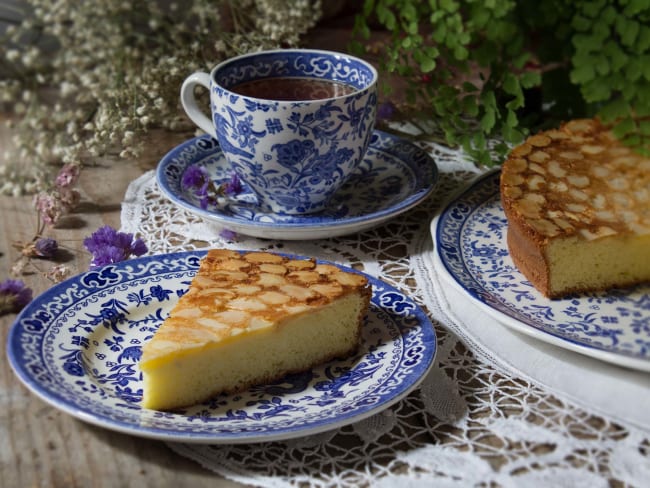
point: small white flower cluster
(87, 79)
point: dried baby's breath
(87, 79)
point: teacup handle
(189, 100)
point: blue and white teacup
(293, 123)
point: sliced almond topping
(273, 268)
(274, 297)
(330, 290)
(621, 200)
(539, 157)
(215, 290)
(558, 186)
(539, 140)
(598, 202)
(605, 215)
(513, 192)
(600, 232)
(579, 181)
(188, 313)
(203, 281)
(512, 179)
(563, 224)
(556, 134)
(270, 279)
(521, 150)
(601, 172)
(579, 125)
(257, 323)
(263, 257)
(576, 207)
(578, 195)
(298, 292)
(305, 277)
(326, 269)
(297, 308)
(618, 183)
(234, 264)
(245, 289)
(536, 182)
(545, 227)
(537, 168)
(231, 317)
(571, 155)
(248, 304)
(350, 279)
(300, 264)
(591, 149)
(555, 169)
(231, 275)
(212, 323)
(621, 162)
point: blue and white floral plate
(470, 236)
(394, 176)
(77, 347)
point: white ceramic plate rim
(510, 320)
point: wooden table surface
(39, 445)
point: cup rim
(234, 59)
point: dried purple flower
(195, 177)
(14, 295)
(228, 235)
(49, 208)
(110, 246)
(46, 247)
(68, 175)
(234, 186)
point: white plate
(77, 347)
(394, 177)
(470, 242)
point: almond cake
(577, 203)
(251, 318)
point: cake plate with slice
(470, 243)
(77, 347)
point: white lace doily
(471, 422)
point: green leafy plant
(485, 73)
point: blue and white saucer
(394, 177)
(78, 345)
(470, 233)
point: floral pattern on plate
(471, 243)
(77, 347)
(394, 176)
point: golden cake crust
(576, 182)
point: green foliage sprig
(484, 71)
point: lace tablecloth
(478, 418)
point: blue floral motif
(94, 369)
(470, 240)
(392, 177)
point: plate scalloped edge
(76, 347)
(413, 178)
(447, 229)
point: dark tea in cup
(289, 89)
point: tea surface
(292, 89)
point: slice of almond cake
(251, 318)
